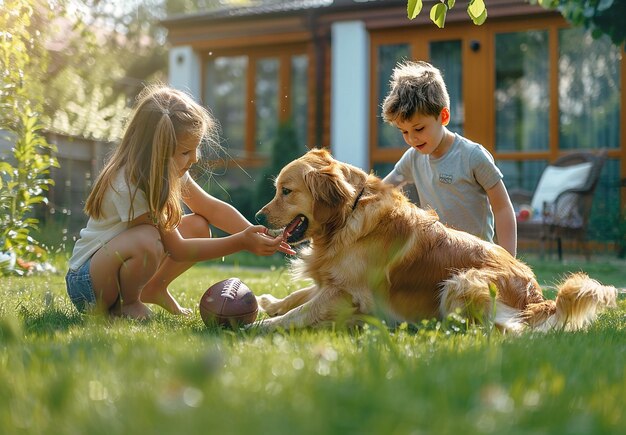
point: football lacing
(230, 289)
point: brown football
(229, 303)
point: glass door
(448, 57)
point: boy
(453, 175)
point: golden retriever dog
(374, 252)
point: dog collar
(356, 201)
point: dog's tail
(578, 302)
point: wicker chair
(565, 215)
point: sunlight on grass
(61, 372)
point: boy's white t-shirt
(114, 220)
(454, 185)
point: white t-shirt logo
(445, 178)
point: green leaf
(413, 8)
(35, 200)
(546, 4)
(438, 14)
(480, 20)
(6, 168)
(476, 8)
(451, 3)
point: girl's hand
(284, 246)
(260, 243)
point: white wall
(184, 70)
(350, 88)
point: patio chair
(561, 203)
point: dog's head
(314, 196)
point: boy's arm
(506, 226)
(395, 179)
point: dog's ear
(330, 192)
(353, 175)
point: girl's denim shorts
(80, 288)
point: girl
(137, 240)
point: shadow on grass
(215, 330)
(49, 321)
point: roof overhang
(303, 20)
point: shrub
(24, 176)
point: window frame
(284, 54)
(479, 80)
(479, 86)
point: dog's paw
(262, 326)
(269, 304)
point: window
(250, 94)
(225, 95)
(589, 91)
(446, 55)
(299, 98)
(388, 57)
(522, 174)
(266, 104)
(522, 101)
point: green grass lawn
(64, 373)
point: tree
(101, 54)
(100, 58)
(599, 16)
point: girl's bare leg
(121, 268)
(155, 291)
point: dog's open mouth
(294, 231)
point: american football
(229, 303)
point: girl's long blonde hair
(161, 115)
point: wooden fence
(80, 160)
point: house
(525, 84)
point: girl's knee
(148, 244)
(133, 255)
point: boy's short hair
(415, 87)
